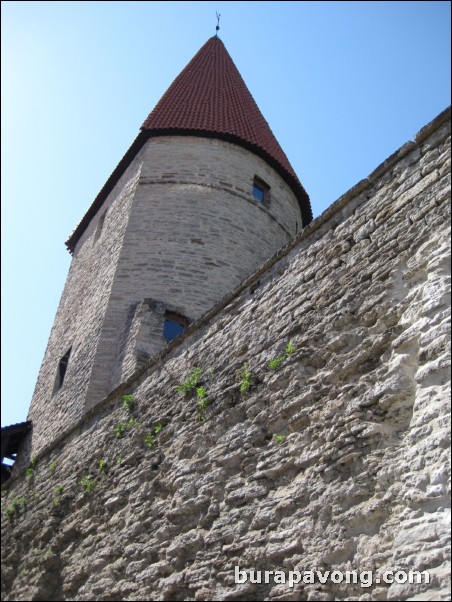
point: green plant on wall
(245, 379)
(151, 438)
(279, 438)
(87, 483)
(191, 383)
(103, 466)
(133, 423)
(128, 403)
(149, 441)
(290, 349)
(277, 362)
(202, 401)
(44, 553)
(58, 494)
(200, 416)
(119, 429)
(201, 394)
(17, 503)
(30, 470)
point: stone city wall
(333, 457)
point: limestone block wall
(337, 459)
(80, 315)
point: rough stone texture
(360, 480)
(181, 227)
(80, 315)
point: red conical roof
(209, 98)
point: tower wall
(179, 231)
(80, 315)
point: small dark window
(100, 225)
(62, 367)
(174, 325)
(261, 191)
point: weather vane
(218, 24)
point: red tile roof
(209, 98)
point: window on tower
(61, 372)
(174, 325)
(100, 225)
(261, 191)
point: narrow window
(174, 325)
(100, 225)
(261, 191)
(61, 373)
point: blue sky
(342, 85)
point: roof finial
(218, 24)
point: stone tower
(202, 197)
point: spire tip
(218, 25)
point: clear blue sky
(342, 84)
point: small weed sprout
(149, 441)
(16, 504)
(30, 470)
(44, 553)
(245, 376)
(87, 482)
(200, 416)
(52, 466)
(103, 466)
(201, 394)
(128, 403)
(203, 402)
(58, 493)
(290, 349)
(119, 460)
(119, 429)
(279, 438)
(190, 384)
(276, 363)
(151, 438)
(133, 423)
